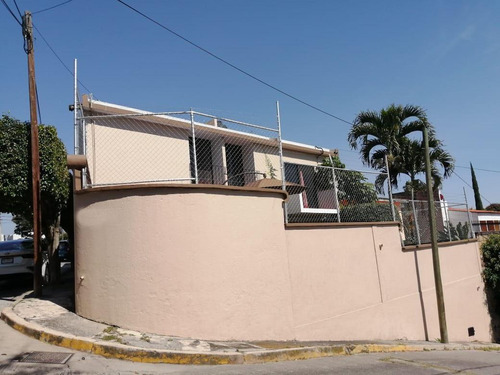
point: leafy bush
(366, 212)
(456, 233)
(491, 259)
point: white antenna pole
(282, 164)
(75, 114)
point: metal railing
(176, 147)
(337, 195)
(452, 225)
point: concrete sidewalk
(51, 320)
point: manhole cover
(47, 357)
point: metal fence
(191, 147)
(177, 147)
(337, 195)
(452, 225)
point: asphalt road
(14, 346)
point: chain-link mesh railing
(337, 195)
(452, 221)
(191, 147)
(178, 147)
(79, 141)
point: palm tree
(386, 133)
(411, 162)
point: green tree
(378, 134)
(410, 161)
(352, 186)
(493, 207)
(490, 251)
(475, 187)
(15, 179)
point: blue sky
(343, 57)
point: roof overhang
(97, 107)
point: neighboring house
(483, 221)
(136, 147)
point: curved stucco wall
(202, 263)
(212, 263)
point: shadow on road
(61, 293)
(11, 288)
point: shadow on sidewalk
(62, 293)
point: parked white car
(16, 258)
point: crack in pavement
(448, 370)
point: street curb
(113, 350)
(120, 351)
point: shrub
(490, 250)
(366, 212)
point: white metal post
(193, 135)
(468, 215)
(448, 225)
(335, 189)
(282, 164)
(75, 114)
(389, 188)
(417, 228)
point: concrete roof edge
(88, 104)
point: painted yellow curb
(119, 351)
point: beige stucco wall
(137, 149)
(301, 158)
(198, 263)
(130, 150)
(213, 263)
(357, 283)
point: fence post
(335, 189)
(473, 234)
(417, 228)
(193, 135)
(389, 188)
(83, 125)
(447, 220)
(282, 164)
(75, 110)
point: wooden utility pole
(443, 330)
(35, 159)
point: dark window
(203, 160)
(16, 245)
(234, 164)
(304, 175)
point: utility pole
(443, 330)
(35, 159)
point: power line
(52, 7)
(11, 12)
(232, 65)
(57, 56)
(18, 11)
(38, 104)
(466, 183)
(478, 169)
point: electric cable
(234, 66)
(52, 7)
(18, 11)
(478, 169)
(57, 56)
(38, 105)
(11, 12)
(466, 183)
